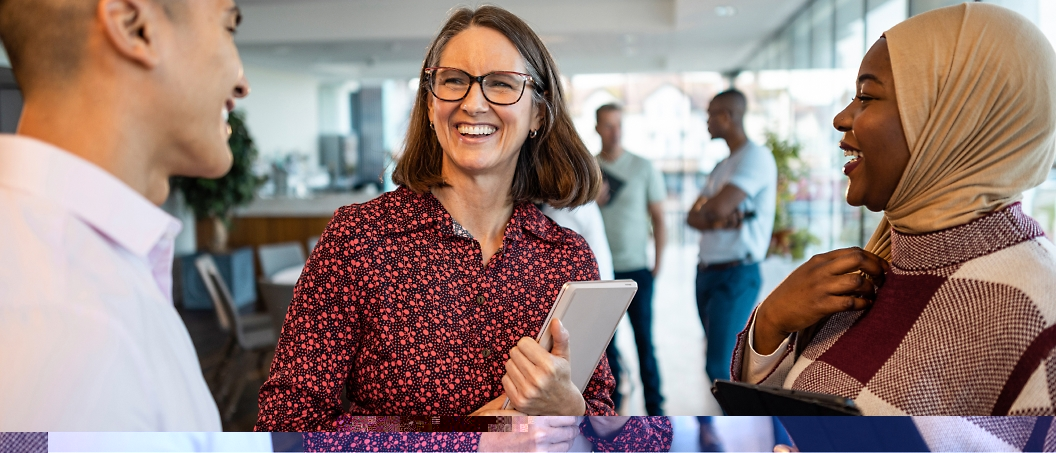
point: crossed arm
(718, 212)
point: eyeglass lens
(502, 88)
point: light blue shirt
(753, 170)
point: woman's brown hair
(553, 167)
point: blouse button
(487, 353)
(480, 300)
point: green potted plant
(786, 239)
(214, 199)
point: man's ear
(131, 27)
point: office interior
(333, 83)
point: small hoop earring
(533, 134)
(431, 126)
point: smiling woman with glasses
(499, 87)
(425, 300)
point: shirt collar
(980, 237)
(87, 191)
(526, 217)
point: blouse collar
(526, 218)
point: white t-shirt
(587, 222)
(753, 170)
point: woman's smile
(476, 132)
(872, 127)
(856, 157)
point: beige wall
(282, 113)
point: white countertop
(319, 205)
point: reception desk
(272, 220)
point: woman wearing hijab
(424, 301)
(952, 121)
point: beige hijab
(976, 87)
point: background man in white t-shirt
(735, 214)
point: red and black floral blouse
(395, 308)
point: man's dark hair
(46, 38)
(610, 107)
(736, 103)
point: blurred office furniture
(368, 124)
(248, 334)
(276, 257)
(10, 102)
(339, 154)
(236, 270)
(288, 276)
(276, 297)
(311, 243)
(272, 220)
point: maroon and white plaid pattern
(1014, 431)
(24, 442)
(950, 247)
(956, 434)
(964, 325)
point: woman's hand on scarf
(540, 382)
(841, 280)
(533, 434)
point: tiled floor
(208, 340)
(678, 336)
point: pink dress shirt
(89, 339)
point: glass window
(850, 33)
(823, 29)
(801, 41)
(882, 15)
(1027, 8)
(920, 6)
(1047, 20)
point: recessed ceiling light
(725, 11)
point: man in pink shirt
(120, 95)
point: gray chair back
(277, 299)
(218, 292)
(276, 257)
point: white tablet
(590, 312)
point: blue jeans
(725, 300)
(640, 313)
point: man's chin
(212, 166)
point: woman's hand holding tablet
(540, 382)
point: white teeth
(852, 153)
(225, 112)
(476, 130)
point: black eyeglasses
(499, 87)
